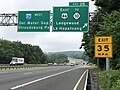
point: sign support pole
(107, 64)
(98, 73)
(98, 62)
(108, 70)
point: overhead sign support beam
(11, 19)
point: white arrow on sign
(85, 25)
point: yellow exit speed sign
(103, 47)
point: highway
(44, 78)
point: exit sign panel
(78, 3)
(70, 19)
(33, 21)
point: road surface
(45, 78)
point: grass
(114, 83)
(114, 80)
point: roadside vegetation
(114, 80)
(31, 54)
(109, 25)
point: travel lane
(62, 81)
(12, 78)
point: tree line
(72, 54)
(57, 58)
(31, 54)
(109, 25)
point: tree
(58, 58)
(108, 5)
(109, 24)
(32, 54)
(110, 27)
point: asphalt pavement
(45, 78)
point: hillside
(72, 54)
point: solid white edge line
(75, 88)
(22, 85)
(86, 81)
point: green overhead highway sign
(78, 3)
(70, 19)
(33, 21)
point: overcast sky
(50, 41)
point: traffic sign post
(34, 21)
(108, 70)
(103, 49)
(70, 19)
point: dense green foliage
(31, 54)
(109, 25)
(108, 5)
(57, 58)
(114, 80)
(72, 54)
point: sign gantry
(75, 17)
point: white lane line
(27, 73)
(86, 81)
(3, 72)
(75, 88)
(22, 85)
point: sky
(47, 41)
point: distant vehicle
(65, 64)
(55, 64)
(72, 64)
(17, 61)
(50, 63)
